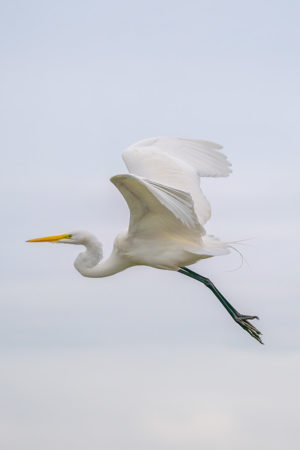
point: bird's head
(87, 259)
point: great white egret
(167, 214)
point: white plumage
(165, 199)
(167, 214)
(179, 163)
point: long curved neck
(87, 262)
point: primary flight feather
(167, 214)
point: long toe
(242, 316)
(242, 320)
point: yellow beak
(51, 238)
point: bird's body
(167, 214)
(169, 252)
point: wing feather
(178, 163)
(155, 208)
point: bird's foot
(242, 320)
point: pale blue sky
(147, 359)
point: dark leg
(241, 319)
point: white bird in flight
(167, 214)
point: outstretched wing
(156, 209)
(178, 163)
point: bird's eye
(69, 236)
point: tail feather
(210, 246)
